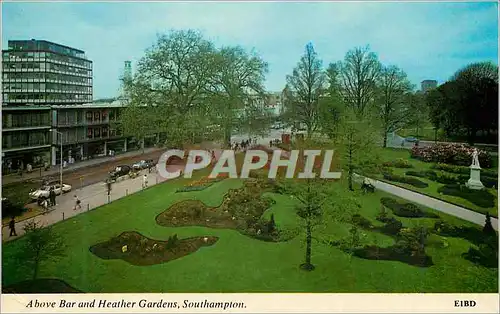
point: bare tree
(305, 87)
(393, 87)
(360, 71)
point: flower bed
(201, 184)
(454, 154)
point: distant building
(39, 72)
(427, 85)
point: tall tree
(418, 111)
(305, 87)
(357, 142)
(238, 87)
(332, 103)
(40, 244)
(172, 79)
(393, 87)
(360, 71)
(478, 105)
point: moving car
(119, 171)
(411, 139)
(43, 192)
(143, 164)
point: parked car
(119, 171)
(143, 164)
(43, 192)
(411, 139)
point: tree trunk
(435, 135)
(350, 173)
(227, 136)
(307, 265)
(35, 270)
(385, 140)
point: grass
(389, 154)
(33, 211)
(237, 263)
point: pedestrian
(46, 166)
(52, 196)
(29, 168)
(403, 143)
(9, 166)
(77, 203)
(145, 181)
(12, 227)
(45, 205)
(108, 185)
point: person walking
(12, 227)
(77, 203)
(52, 197)
(108, 186)
(145, 181)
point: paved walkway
(431, 202)
(14, 177)
(91, 197)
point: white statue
(475, 158)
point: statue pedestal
(474, 182)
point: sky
(428, 40)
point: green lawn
(237, 263)
(393, 154)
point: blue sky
(427, 40)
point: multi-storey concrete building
(46, 99)
(39, 72)
(427, 85)
(33, 134)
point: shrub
(412, 241)
(392, 227)
(471, 234)
(11, 209)
(172, 242)
(361, 221)
(454, 154)
(398, 163)
(405, 209)
(434, 176)
(411, 181)
(482, 198)
(486, 255)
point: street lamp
(61, 161)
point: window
(89, 133)
(89, 117)
(97, 132)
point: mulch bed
(143, 251)
(43, 285)
(240, 210)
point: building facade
(427, 85)
(33, 134)
(39, 72)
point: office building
(39, 72)
(428, 85)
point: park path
(431, 202)
(91, 196)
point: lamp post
(60, 161)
